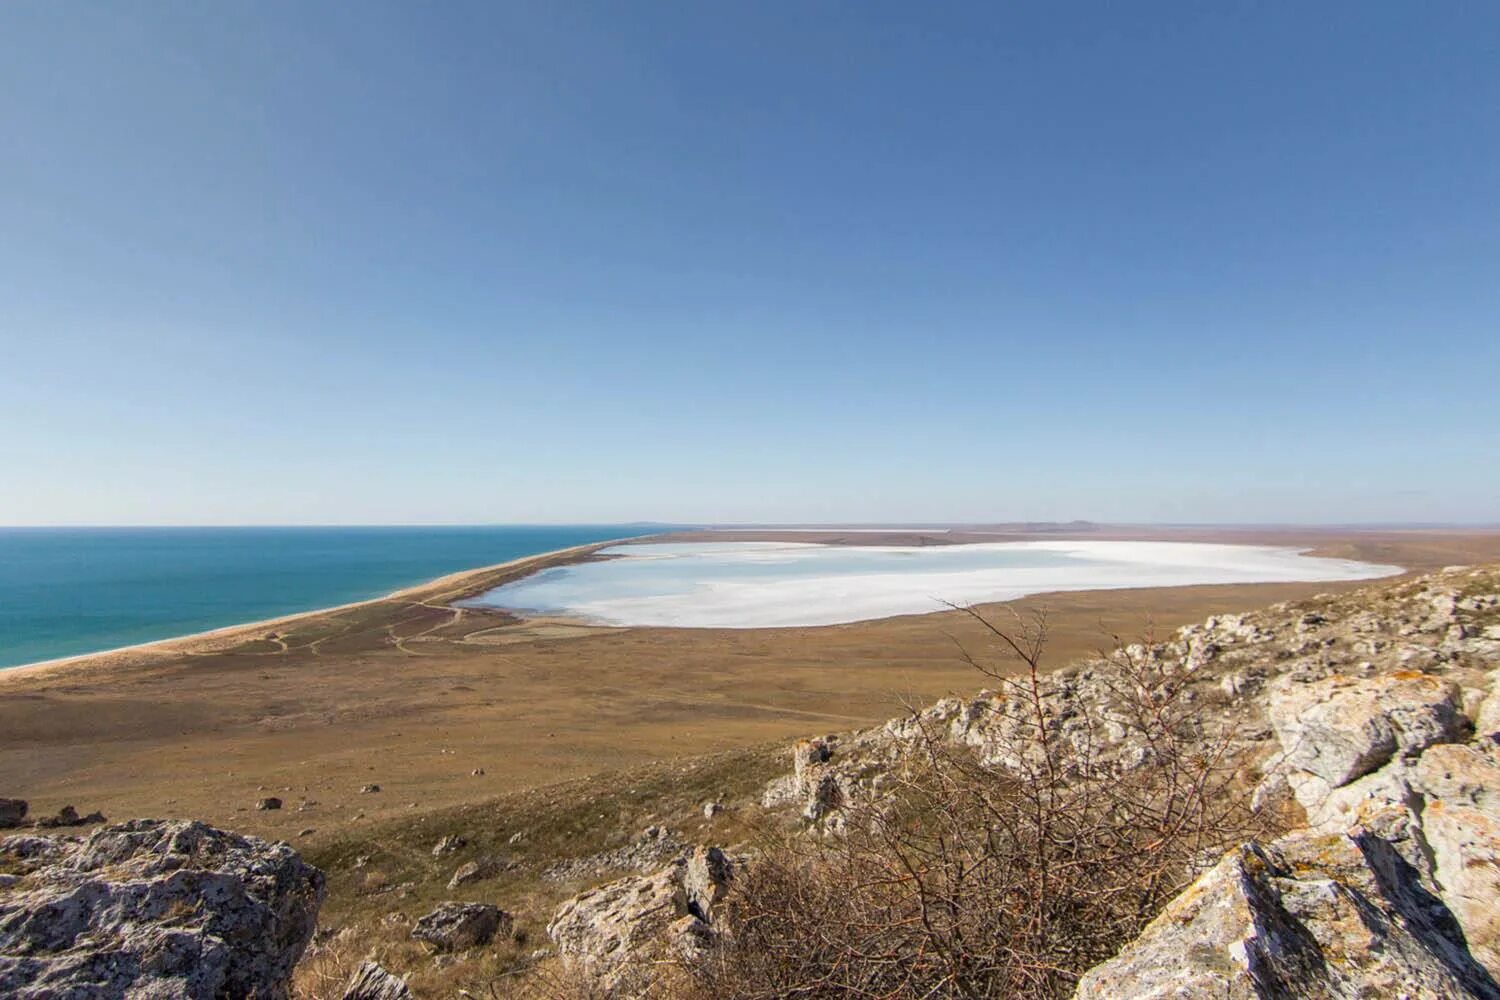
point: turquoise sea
(65, 591)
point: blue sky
(382, 262)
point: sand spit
(447, 588)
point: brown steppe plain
(441, 706)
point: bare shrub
(1004, 869)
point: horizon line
(771, 525)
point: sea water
(65, 591)
(778, 584)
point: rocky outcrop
(154, 909)
(1391, 890)
(1377, 711)
(609, 933)
(1333, 916)
(705, 878)
(1416, 659)
(1341, 728)
(1460, 786)
(619, 934)
(460, 926)
(371, 982)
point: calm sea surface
(65, 591)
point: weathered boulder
(1463, 774)
(460, 926)
(622, 934)
(154, 909)
(450, 844)
(705, 878)
(371, 982)
(1465, 844)
(608, 933)
(1487, 716)
(1332, 811)
(475, 871)
(1311, 915)
(824, 794)
(1341, 728)
(12, 813)
(1461, 823)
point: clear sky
(409, 262)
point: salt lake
(777, 584)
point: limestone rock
(27, 848)
(810, 753)
(781, 791)
(824, 795)
(371, 982)
(12, 813)
(1465, 843)
(1462, 774)
(154, 909)
(705, 878)
(1312, 915)
(1487, 716)
(690, 938)
(475, 871)
(1461, 822)
(1341, 728)
(606, 933)
(460, 926)
(1332, 811)
(450, 844)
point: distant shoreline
(449, 587)
(465, 583)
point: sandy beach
(450, 587)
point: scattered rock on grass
(459, 926)
(450, 844)
(371, 982)
(475, 871)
